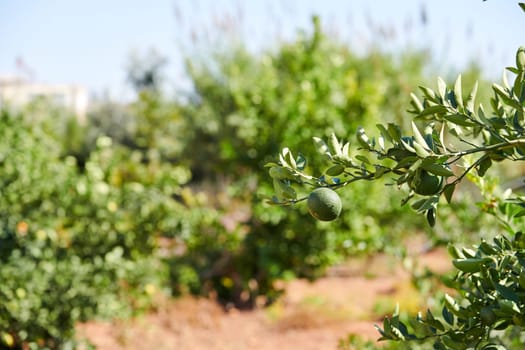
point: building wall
(18, 92)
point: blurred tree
(145, 71)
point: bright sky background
(90, 42)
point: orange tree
(240, 109)
(451, 138)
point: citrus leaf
(458, 94)
(438, 169)
(429, 93)
(431, 217)
(483, 166)
(395, 131)
(300, 161)
(281, 173)
(419, 138)
(335, 170)
(414, 101)
(448, 191)
(452, 305)
(363, 139)
(421, 151)
(321, 146)
(442, 88)
(436, 109)
(336, 146)
(362, 159)
(459, 119)
(384, 132)
(469, 105)
(468, 264)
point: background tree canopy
(167, 195)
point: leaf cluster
(491, 287)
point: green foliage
(490, 283)
(164, 195)
(452, 138)
(243, 106)
(77, 243)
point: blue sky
(90, 42)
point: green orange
(324, 204)
(427, 184)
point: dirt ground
(310, 316)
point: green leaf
(431, 321)
(522, 5)
(425, 204)
(436, 109)
(387, 327)
(281, 173)
(321, 146)
(407, 146)
(458, 93)
(469, 265)
(508, 293)
(346, 150)
(381, 142)
(284, 191)
(421, 329)
(301, 162)
(519, 214)
(505, 81)
(428, 93)
(421, 150)
(431, 217)
(483, 166)
(335, 170)
(394, 131)
(471, 99)
(380, 171)
(437, 169)
(459, 119)
(448, 191)
(363, 139)
(504, 95)
(487, 248)
(336, 146)
(384, 336)
(287, 154)
(419, 138)
(442, 88)
(451, 344)
(454, 252)
(442, 135)
(286, 158)
(508, 306)
(362, 159)
(414, 101)
(417, 205)
(452, 305)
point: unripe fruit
(324, 204)
(427, 184)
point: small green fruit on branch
(324, 204)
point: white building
(17, 92)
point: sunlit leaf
(458, 93)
